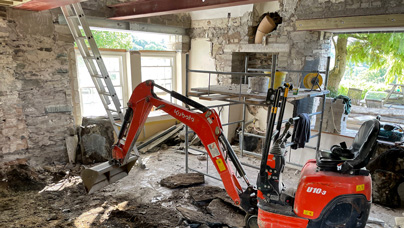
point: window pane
(92, 105)
(115, 77)
(112, 63)
(160, 70)
(83, 75)
(156, 61)
(91, 102)
(168, 72)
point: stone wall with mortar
(295, 49)
(231, 39)
(35, 95)
(309, 9)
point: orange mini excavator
(334, 189)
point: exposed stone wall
(296, 50)
(232, 40)
(35, 94)
(309, 50)
(309, 9)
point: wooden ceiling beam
(139, 9)
(12, 2)
(39, 5)
(351, 23)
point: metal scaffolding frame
(242, 100)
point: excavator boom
(206, 124)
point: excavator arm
(206, 124)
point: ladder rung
(111, 110)
(76, 18)
(89, 57)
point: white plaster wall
(262, 114)
(265, 7)
(235, 11)
(200, 59)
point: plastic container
(258, 84)
(279, 79)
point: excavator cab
(333, 191)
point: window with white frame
(90, 101)
(160, 67)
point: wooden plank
(136, 9)
(39, 5)
(231, 90)
(234, 91)
(255, 101)
(196, 93)
(159, 140)
(12, 2)
(357, 22)
(215, 97)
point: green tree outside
(372, 61)
(127, 41)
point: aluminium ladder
(75, 18)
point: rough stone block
(58, 109)
(353, 6)
(97, 138)
(71, 145)
(183, 180)
(225, 213)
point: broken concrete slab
(208, 193)
(196, 141)
(182, 135)
(399, 221)
(225, 213)
(375, 222)
(195, 216)
(183, 180)
(202, 157)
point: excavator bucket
(104, 174)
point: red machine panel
(317, 188)
(271, 220)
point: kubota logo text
(183, 115)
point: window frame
(124, 80)
(162, 54)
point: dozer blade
(104, 174)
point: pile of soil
(53, 197)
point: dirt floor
(55, 197)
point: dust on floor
(135, 201)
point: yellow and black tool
(313, 81)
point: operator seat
(351, 160)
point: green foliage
(127, 41)
(382, 52)
(139, 44)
